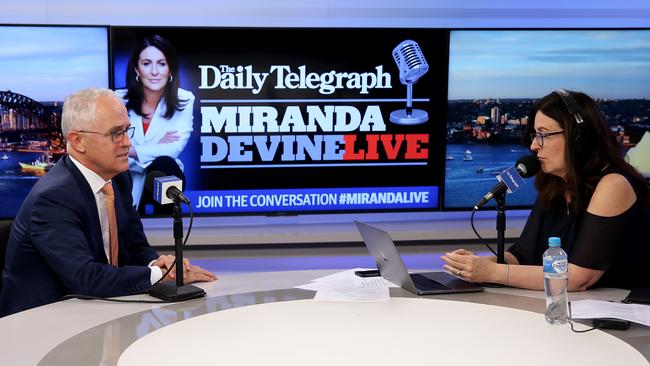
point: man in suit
(62, 241)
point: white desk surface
(78, 332)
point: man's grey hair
(79, 109)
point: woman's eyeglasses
(540, 136)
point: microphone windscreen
(148, 182)
(528, 166)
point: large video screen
(39, 67)
(495, 76)
(290, 121)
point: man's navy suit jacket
(56, 248)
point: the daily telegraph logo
(315, 133)
(244, 77)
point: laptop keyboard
(426, 284)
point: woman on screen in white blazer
(160, 111)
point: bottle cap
(554, 241)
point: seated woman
(588, 195)
(160, 111)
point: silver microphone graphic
(412, 65)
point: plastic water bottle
(555, 282)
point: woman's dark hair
(590, 148)
(135, 92)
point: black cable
(582, 331)
(471, 221)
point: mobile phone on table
(611, 323)
(368, 273)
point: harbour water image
(19, 171)
(471, 171)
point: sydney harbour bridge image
(30, 135)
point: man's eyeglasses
(539, 136)
(116, 135)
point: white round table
(401, 331)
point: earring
(137, 78)
(171, 78)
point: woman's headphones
(578, 146)
(572, 105)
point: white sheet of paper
(587, 309)
(343, 279)
(312, 286)
(369, 282)
(346, 286)
(354, 294)
(334, 277)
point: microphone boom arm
(178, 241)
(500, 198)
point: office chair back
(5, 229)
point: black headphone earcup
(577, 140)
(578, 148)
(577, 135)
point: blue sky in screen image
(530, 64)
(49, 63)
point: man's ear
(76, 142)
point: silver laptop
(390, 265)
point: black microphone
(171, 186)
(526, 166)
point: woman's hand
(471, 267)
(170, 137)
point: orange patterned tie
(107, 189)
